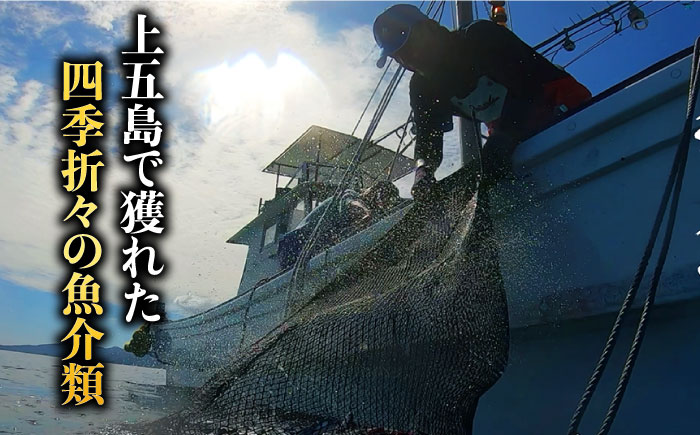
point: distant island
(112, 355)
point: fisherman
(482, 72)
(381, 198)
(353, 212)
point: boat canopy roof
(325, 148)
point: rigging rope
(553, 45)
(580, 26)
(614, 32)
(301, 264)
(398, 147)
(602, 41)
(390, 132)
(674, 184)
(371, 97)
(440, 10)
(651, 296)
(305, 255)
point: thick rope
(674, 179)
(639, 336)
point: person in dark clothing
(482, 72)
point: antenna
(569, 30)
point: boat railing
(276, 283)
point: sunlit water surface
(29, 401)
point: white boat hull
(572, 224)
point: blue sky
(244, 81)
(669, 31)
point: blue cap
(392, 28)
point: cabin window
(296, 216)
(269, 234)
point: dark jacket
(486, 70)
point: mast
(464, 13)
(463, 16)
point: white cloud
(8, 84)
(34, 18)
(213, 175)
(105, 14)
(26, 105)
(28, 227)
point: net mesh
(407, 340)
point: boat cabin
(307, 173)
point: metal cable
(615, 32)
(371, 97)
(374, 92)
(602, 41)
(643, 321)
(631, 293)
(571, 31)
(305, 255)
(390, 132)
(398, 148)
(556, 44)
(579, 26)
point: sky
(243, 80)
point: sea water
(29, 398)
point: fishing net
(406, 340)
